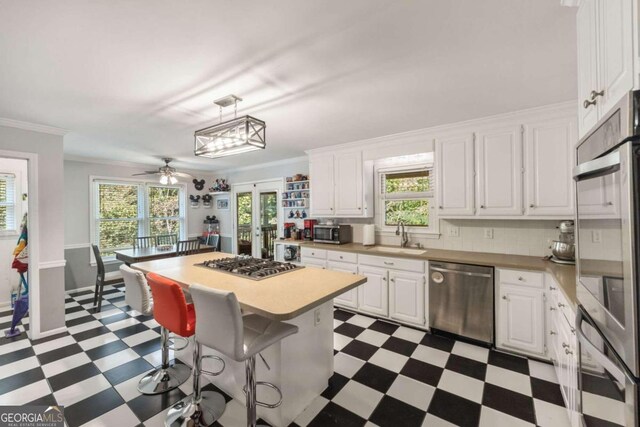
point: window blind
(7, 202)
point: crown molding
(32, 127)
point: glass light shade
(173, 180)
(235, 136)
(164, 180)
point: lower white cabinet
(373, 295)
(520, 325)
(314, 262)
(349, 298)
(406, 297)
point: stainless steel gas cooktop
(249, 267)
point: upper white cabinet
(342, 185)
(348, 188)
(499, 171)
(454, 174)
(549, 159)
(605, 57)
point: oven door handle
(598, 167)
(597, 354)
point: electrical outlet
(488, 233)
(596, 236)
(454, 231)
(316, 317)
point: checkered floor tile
(385, 375)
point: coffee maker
(308, 228)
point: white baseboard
(48, 333)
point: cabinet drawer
(314, 253)
(533, 279)
(392, 263)
(342, 256)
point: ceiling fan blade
(182, 175)
(146, 173)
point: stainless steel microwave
(334, 234)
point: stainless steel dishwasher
(461, 300)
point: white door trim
(34, 239)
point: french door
(257, 218)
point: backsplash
(509, 237)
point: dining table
(134, 255)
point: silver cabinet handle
(481, 206)
(504, 297)
(565, 345)
(384, 279)
(595, 94)
(587, 103)
(340, 256)
(532, 205)
(552, 309)
(388, 263)
(439, 207)
(551, 288)
(552, 333)
(567, 351)
(521, 279)
(392, 280)
(359, 208)
(561, 305)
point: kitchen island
(301, 364)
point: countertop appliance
(334, 234)
(563, 249)
(308, 228)
(461, 300)
(608, 210)
(292, 253)
(249, 267)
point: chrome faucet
(404, 240)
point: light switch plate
(488, 233)
(596, 236)
(454, 231)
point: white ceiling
(132, 80)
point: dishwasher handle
(464, 273)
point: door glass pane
(268, 223)
(244, 211)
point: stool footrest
(213, 374)
(270, 385)
(173, 344)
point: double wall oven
(608, 289)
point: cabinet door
(349, 298)
(587, 25)
(348, 184)
(499, 169)
(322, 185)
(521, 323)
(549, 160)
(615, 56)
(454, 175)
(373, 296)
(406, 297)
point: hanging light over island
(235, 136)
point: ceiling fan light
(173, 180)
(164, 180)
(236, 136)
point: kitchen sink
(392, 250)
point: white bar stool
(168, 376)
(221, 326)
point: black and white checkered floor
(385, 375)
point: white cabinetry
(321, 176)
(549, 160)
(406, 297)
(605, 57)
(499, 169)
(520, 318)
(563, 348)
(344, 185)
(454, 174)
(313, 257)
(373, 295)
(349, 298)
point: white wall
(8, 276)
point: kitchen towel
(369, 235)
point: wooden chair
(145, 242)
(188, 247)
(167, 239)
(102, 277)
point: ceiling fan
(168, 175)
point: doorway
(257, 218)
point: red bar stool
(171, 311)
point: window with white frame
(8, 204)
(124, 210)
(405, 194)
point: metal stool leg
(250, 371)
(202, 408)
(167, 376)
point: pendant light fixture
(239, 135)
